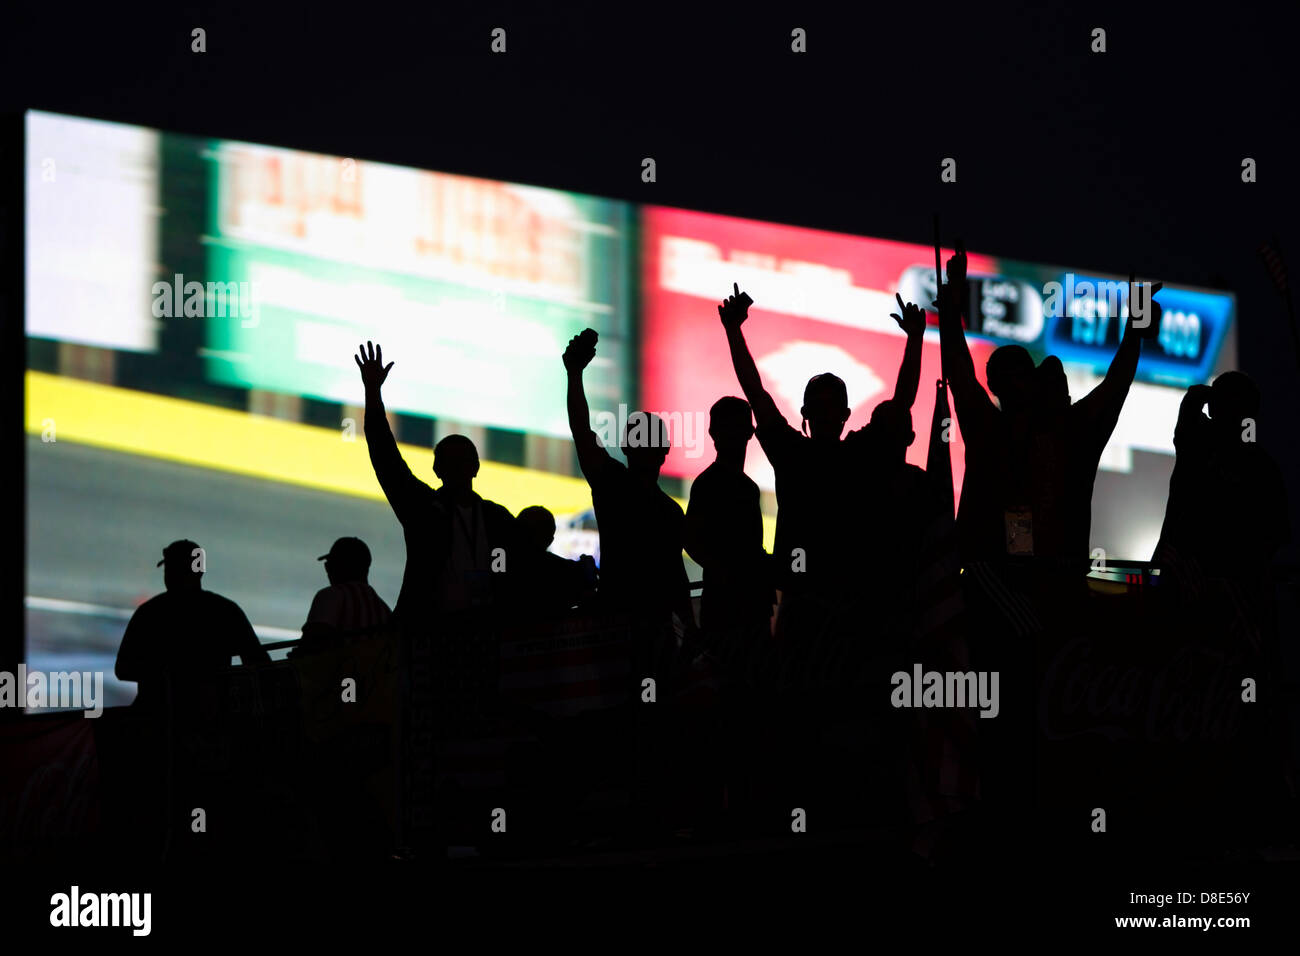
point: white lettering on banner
(791, 286)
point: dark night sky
(1130, 158)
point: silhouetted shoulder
(748, 483)
(859, 436)
(714, 481)
(778, 439)
(912, 473)
(323, 603)
(153, 605)
(710, 479)
(220, 604)
(606, 468)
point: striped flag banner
(1272, 256)
(477, 763)
(582, 666)
(1271, 253)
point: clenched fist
(581, 350)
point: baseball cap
(178, 552)
(350, 552)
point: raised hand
(373, 370)
(581, 350)
(910, 317)
(1199, 395)
(957, 266)
(735, 308)
(952, 294)
(1147, 325)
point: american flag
(582, 665)
(1271, 253)
(477, 763)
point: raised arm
(968, 395)
(400, 486)
(1104, 403)
(577, 356)
(1193, 428)
(733, 311)
(911, 319)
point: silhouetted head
(891, 428)
(731, 425)
(825, 406)
(1051, 390)
(1011, 376)
(348, 560)
(645, 443)
(182, 563)
(1234, 396)
(536, 527)
(455, 462)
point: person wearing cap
(349, 607)
(185, 633)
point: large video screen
(822, 303)
(193, 306)
(475, 283)
(93, 213)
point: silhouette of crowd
(871, 572)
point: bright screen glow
(193, 306)
(822, 303)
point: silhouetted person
(1226, 518)
(185, 633)
(1031, 459)
(641, 527)
(1227, 508)
(724, 528)
(349, 607)
(825, 548)
(452, 535)
(909, 502)
(546, 583)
